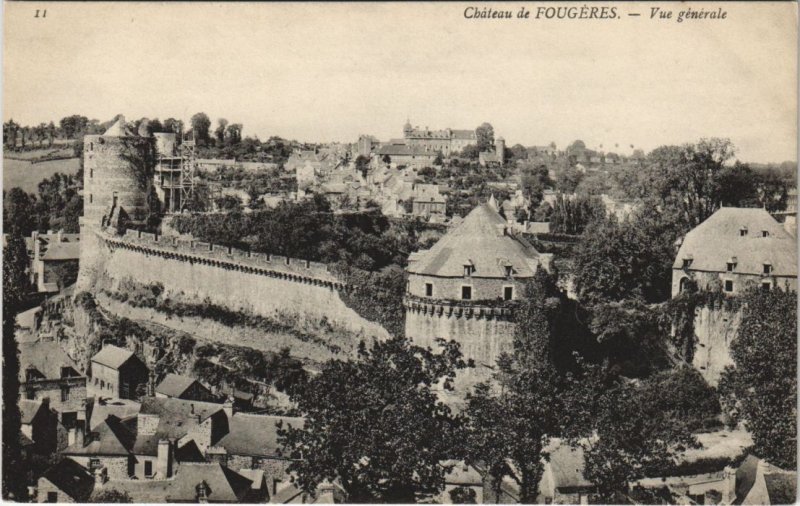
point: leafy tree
(764, 380)
(463, 495)
(535, 180)
(18, 211)
(438, 161)
(174, 125)
(233, 133)
(485, 137)
(222, 124)
(362, 165)
(15, 290)
(568, 180)
(572, 216)
(470, 152)
(375, 424)
(71, 126)
(200, 126)
(110, 496)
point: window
(466, 292)
(148, 468)
(91, 173)
(95, 464)
(687, 262)
(467, 270)
(731, 266)
(743, 231)
(728, 285)
(509, 271)
(64, 394)
(30, 395)
(429, 289)
(90, 198)
(508, 292)
(765, 233)
(91, 146)
(52, 497)
(766, 286)
(275, 483)
(767, 269)
(102, 384)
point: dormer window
(509, 270)
(767, 269)
(743, 231)
(468, 270)
(687, 262)
(765, 233)
(731, 265)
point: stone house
(183, 387)
(736, 248)
(427, 200)
(116, 373)
(65, 482)
(47, 372)
(252, 443)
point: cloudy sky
(329, 72)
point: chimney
(60, 235)
(164, 459)
(151, 385)
(228, 407)
(100, 476)
(71, 436)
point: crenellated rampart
(195, 271)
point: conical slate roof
(118, 129)
(482, 240)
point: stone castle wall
(268, 285)
(715, 330)
(483, 332)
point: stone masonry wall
(271, 286)
(482, 332)
(715, 330)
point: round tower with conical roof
(464, 288)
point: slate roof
(255, 435)
(175, 418)
(463, 134)
(28, 409)
(62, 251)
(118, 129)
(478, 240)
(224, 485)
(404, 150)
(111, 437)
(47, 357)
(712, 243)
(72, 479)
(747, 475)
(174, 385)
(112, 356)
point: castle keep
(464, 287)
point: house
(183, 387)
(410, 156)
(39, 424)
(496, 157)
(65, 482)
(759, 482)
(103, 408)
(259, 491)
(428, 201)
(252, 443)
(52, 257)
(47, 372)
(464, 477)
(195, 482)
(326, 493)
(116, 373)
(736, 248)
(107, 446)
(563, 481)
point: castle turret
(115, 174)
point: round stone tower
(114, 175)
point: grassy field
(27, 176)
(54, 152)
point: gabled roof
(175, 385)
(118, 129)
(112, 356)
(255, 435)
(46, 357)
(483, 241)
(176, 417)
(62, 251)
(464, 134)
(567, 464)
(404, 150)
(111, 437)
(28, 409)
(72, 479)
(223, 484)
(714, 242)
(121, 408)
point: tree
(572, 216)
(375, 424)
(15, 290)
(110, 496)
(19, 211)
(470, 152)
(200, 126)
(71, 126)
(764, 379)
(568, 180)
(485, 137)
(222, 124)
(362, 165)
(174, 125)
(535, 180)
(234, 133)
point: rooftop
(481, 240)
(255, 434)
(174, 385)
(72, 479)
(112, 356)
(45, 357)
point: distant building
(50, 256)
(736, 248)
(408, 155)
(183, 387)
(427, 200)
(39, 424)
(496, 157)
(116, 373)
(445, 141)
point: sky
(330, 72)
